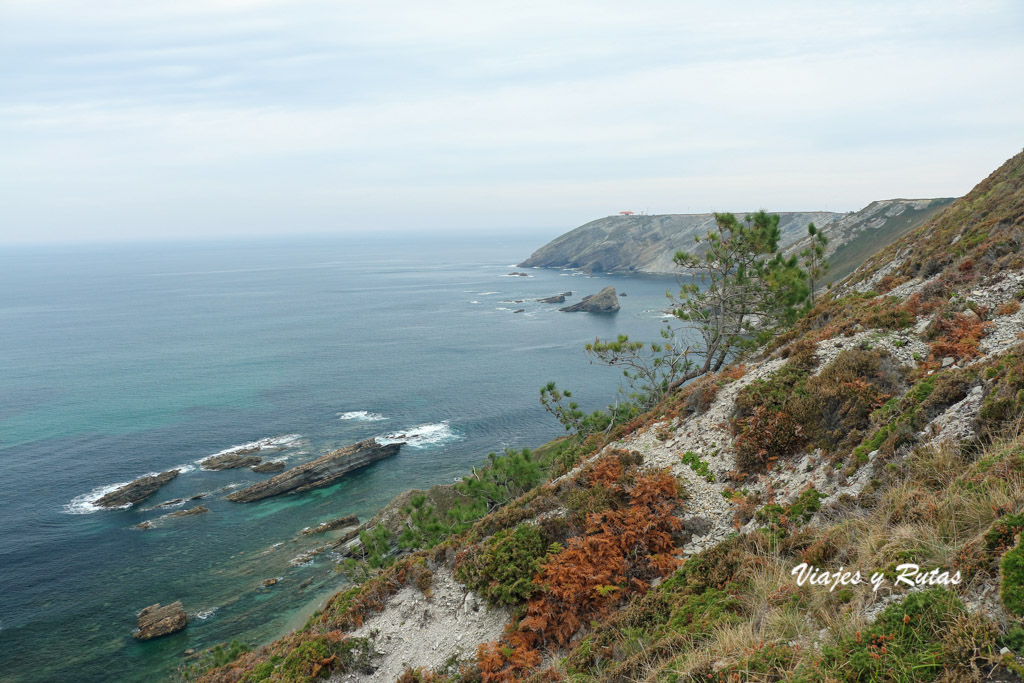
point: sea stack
(156, 621)
(604, 301)
(323, 471)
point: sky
(129, 120)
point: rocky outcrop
(149, 524)
(271, 466)
(197, 510)
(230, 461)
(604, 301)
(331, 525)
(323, 471)
(157, 620)
(557, 299)
(137, 491)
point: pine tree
(814, 258)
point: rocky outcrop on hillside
(156, 620)
(323, 471)
(137, 491)
(604, 301)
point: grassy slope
(598, 539)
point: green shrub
(318, 656)
(502, 570)
(216, 656)
(1000, 536)
(905, 643)
(1011, 587)
(697, 465)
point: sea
(118, 360)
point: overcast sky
(150, 119)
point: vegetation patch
(791, 409)
(502, 570)
(905, 643)
(1011, 587)
(697, 465)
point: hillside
(854, 237)
(646, 244)
(881, 429)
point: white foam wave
(205, 614)
(86, 503)
(474, 302)
(361, 416)
(485, 293)
(422, 436)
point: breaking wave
(361, 416)
(422, 436)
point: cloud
(241, 115)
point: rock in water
(331, 525)
(556, 299)
(137, 491)
(271, 466)
(197, 510)
(604, 301)
(323, 471)
(156, 621)
(230, 461)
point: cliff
(646, 244)
(878, 434)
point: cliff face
(646, 244)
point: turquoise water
(123, 360)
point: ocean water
(117, 361)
